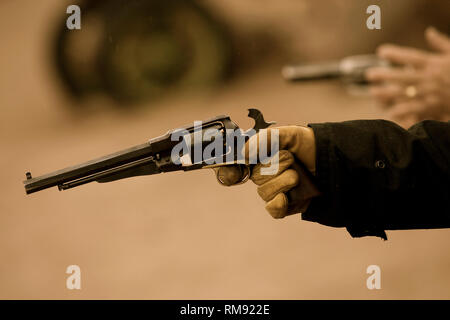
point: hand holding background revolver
(419, 89)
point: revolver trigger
(260, 123)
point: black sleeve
(376, 176)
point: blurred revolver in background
(350, 69)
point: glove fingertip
(278, 206)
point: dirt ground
(177, 235)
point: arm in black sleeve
(376, 176)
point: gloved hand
(296, 144)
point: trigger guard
(244, 176)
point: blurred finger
(282, 183)
(285, 160)
(403, 55)
(393, 74)
(407, 121)
(278, 206)
(437, 40)
(386, 93)
(418, 91)
(404, 109)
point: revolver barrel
(89, 171)
(351, 69)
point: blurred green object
(138, 50)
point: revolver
(350, 69)
(156, 156)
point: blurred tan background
(182, 235)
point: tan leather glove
(296, 144)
